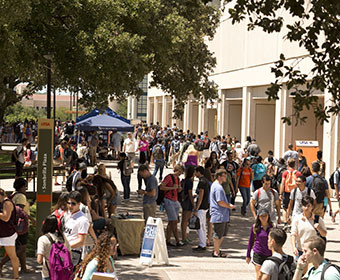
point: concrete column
(221, 116)
(129, 112)
(187, 118)
(155, 110)
(165, 111)
(173, 121)
(148, 110)
(133, 107)
(246, 108)
(283, 132)
(330, 139)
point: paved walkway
(186, 264)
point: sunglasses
(72, 203)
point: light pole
(48, 57)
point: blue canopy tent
(94, 112)
(103, 123)
(112, 113)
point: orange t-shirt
(245, 179)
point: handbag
(194, 223)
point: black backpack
(69, 182)
(287, 267)
(161, 193)
(319, 188)
(200, 145)
(331, 179)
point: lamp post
(48, 58)
(54, 104)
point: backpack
(286, 267)
(290, 182)
(194, 223)
(32, 156)
(260, 170)
(331, 179)
(61, 267)
(161, 193)
(13, 159)
(223, 156)
(69, 182)
(21, 218)
(319, 188)
(56, 153)
(127, 169)
(200, 145)
(327, 265)
(177, 146)
(158, 152)
(206, 143)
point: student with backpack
(320, 187)
(8, 233)
(287, 185)
(124, 166)
(259, 171)
(314, 251)
(158, 156)
(50, 244)
(19, 198)
(279, 265)
(244, 177)
(100, 259)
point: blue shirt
(218, 214)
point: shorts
(187, 206)
(220, 230)
(8, 241)
(131, 156)
(19, 167)
(285, 200)
(149, 210)
(172, 209)
(259, 259)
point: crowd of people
(223, 166)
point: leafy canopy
(316, 28)
(104, 48)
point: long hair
(257, 225)
(101, 252)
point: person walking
(8, 233)
(244, 177)
(187, 200)
(19, 158)
(201, 207)
(219, 211)
(150, 193)
(304, 227)
(258, 241)
(130, 149)
(125, 169)
(158, 155)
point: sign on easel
(154, 245)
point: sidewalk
(186, 264)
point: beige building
(39, 101)
(243, 73)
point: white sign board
(306, 143)
(154, 245)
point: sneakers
(179, 244)
(199, 249)
(333, 219)
(169, 244)
(56, 184)
(187, 241)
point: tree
(18, 112)
(316, 28)
(104, 48)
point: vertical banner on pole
(45, 170)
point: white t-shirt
(85, 209)
(20, 153)
(297, 210)
(75, 224)
(271, 268)
(304, 229)
(129, 145)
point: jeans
(140, 181)
(245, 192)
(202, 232)
(126, 185)
(159, 165)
